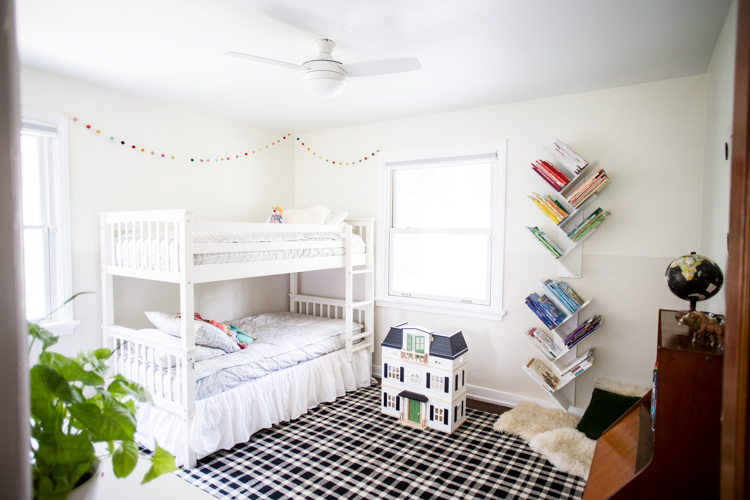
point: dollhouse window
(393, 372)
(414, 378)
(439, 415)
(436, 382)
(391, 401)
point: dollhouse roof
(413, 395)
(442, 346)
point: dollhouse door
(414, 410)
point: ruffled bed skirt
(231, 417)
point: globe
(693, 278)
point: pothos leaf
(161, 463)
(70, 369)
(125, 458)
(45, 336)
(121, 386)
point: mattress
(133, 250)
(284, 339)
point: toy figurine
(276, 216)
(701, 325)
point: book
(592, 186)
(588, 224)
(552, 171)
(551, 208)
(582, 331)
(542, 238)
(579, 365)
(545, 309)
(574, 157)
(542, 374)
(564, 295)
(547, 179)
(543, 343)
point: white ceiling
(473, 52)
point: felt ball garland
(321, 157)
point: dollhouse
(424, 377)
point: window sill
(60, 328)
(451, 309)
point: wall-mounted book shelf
(559, 363)
(567, 207)
(577, 185)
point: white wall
(648, 137)
(106, 176)
(719, 101)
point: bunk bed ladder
(365, 308)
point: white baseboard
(499, 397)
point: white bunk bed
(127, 241)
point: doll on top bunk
(276, 216)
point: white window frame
(60, 261)
(491, 311)
(394, 372)
(391, 401)
(439, 415)
(437, 382)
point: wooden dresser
(680, 458)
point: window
(441, 219)
(46, 219)
(414, 378)
(439, 415)
(419, 344)
(436, 382)
(393, 372)
(391, 401)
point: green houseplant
(73, 407)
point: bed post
(108, 304)
(370, 287)
(293, 290)
(349, 285)
(187, 312)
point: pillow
(161, 358)
(603, 410)
(205, 334)
(318, 214)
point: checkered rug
(348, 449)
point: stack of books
(545, 309)
(584, 330)
(592, 186)
(551, 174)
(568, 300)
(588, 224)
(543, 375)
(543, 343)
(539, 235)
(579, 365)
(569, 158)
(551, 208)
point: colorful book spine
(542, 238)
(588, 224)
(543, 343)
(545, 309)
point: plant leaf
(113, 422)
(161, 463)
(45, 336)
(47, 384)
(97, 359)
(125, 458)
(70, 369)
(121, 386)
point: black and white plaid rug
(348, 449)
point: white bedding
(231, 417)
(284, 339)
(134, 250)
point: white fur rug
(553, 434)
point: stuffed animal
(276, 216)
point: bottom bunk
(289, 362)
(231, 417)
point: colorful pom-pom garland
(253, 151)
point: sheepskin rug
(553, 434)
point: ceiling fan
(323, 76)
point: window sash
(393, 291)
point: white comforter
(134, 250)
(284, 339)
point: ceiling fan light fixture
(324, 83)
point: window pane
(32, 180)
(442, 265)
(37, 282)
(453, 196)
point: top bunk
(171, 246)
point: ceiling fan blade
(381, 67)
(266, 60)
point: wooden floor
(475, 404)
